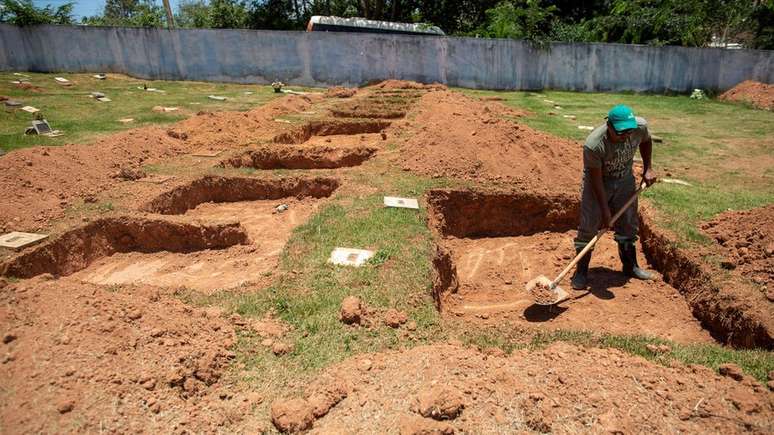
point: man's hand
(649, 177)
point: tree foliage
(134, 13)
(24, 13)
(655, 22)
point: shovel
(547, 292)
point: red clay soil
(746, 239)
(314, 157)
(562, 389)
(86, 358)
(758, 94)
(340, 92)
(493, 273)
(37, 184)
(461, 137)
(408, 84)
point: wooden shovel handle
(596, 238)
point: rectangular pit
(303, 133)
(314, 157)
(492, 243)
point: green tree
(228, 14)
(762, 26)
(24, 13)
(193, 13)
(520, 19)
(132, 13)
(272, 15)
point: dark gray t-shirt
(615, 159)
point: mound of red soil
(85, 358)
(747, 240)
(758, 94)
(462, 137)
(340, 92)
(37, 184)
(563, 389)
(228, 129)
(408, 84)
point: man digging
(608, 182)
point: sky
(87, 8)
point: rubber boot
(628, 253)
(581, 276)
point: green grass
(309, 291)
(82, 119)
(722, 149)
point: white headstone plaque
(18, 240)
(350, 257)
(393, 201)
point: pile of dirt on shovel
(37, 184)
(747, 240)
(461, 137)
(758, 94)
(83, 358)
(448, 389)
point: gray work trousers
(618, 191)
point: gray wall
(317, 59)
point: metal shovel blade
(543, 294)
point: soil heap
(37, 184)
(758, 94)
(747, 240)
(461, 137)
(562, 389)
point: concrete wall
(319, 59)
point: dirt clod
(65, 406)
(293, 415)
(351, 311)
(439, 402)
(415, 425)
(323, 401)
(130, 174)
(280, 348)
(658, 348)
(394, 318)
(732, 371)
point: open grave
(78, 248)
(230, 233)
(314, 157)
(494, 243)
(251, 202)
(334, 132)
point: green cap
(622, 118)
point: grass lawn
(82, 119)
(709, 144)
